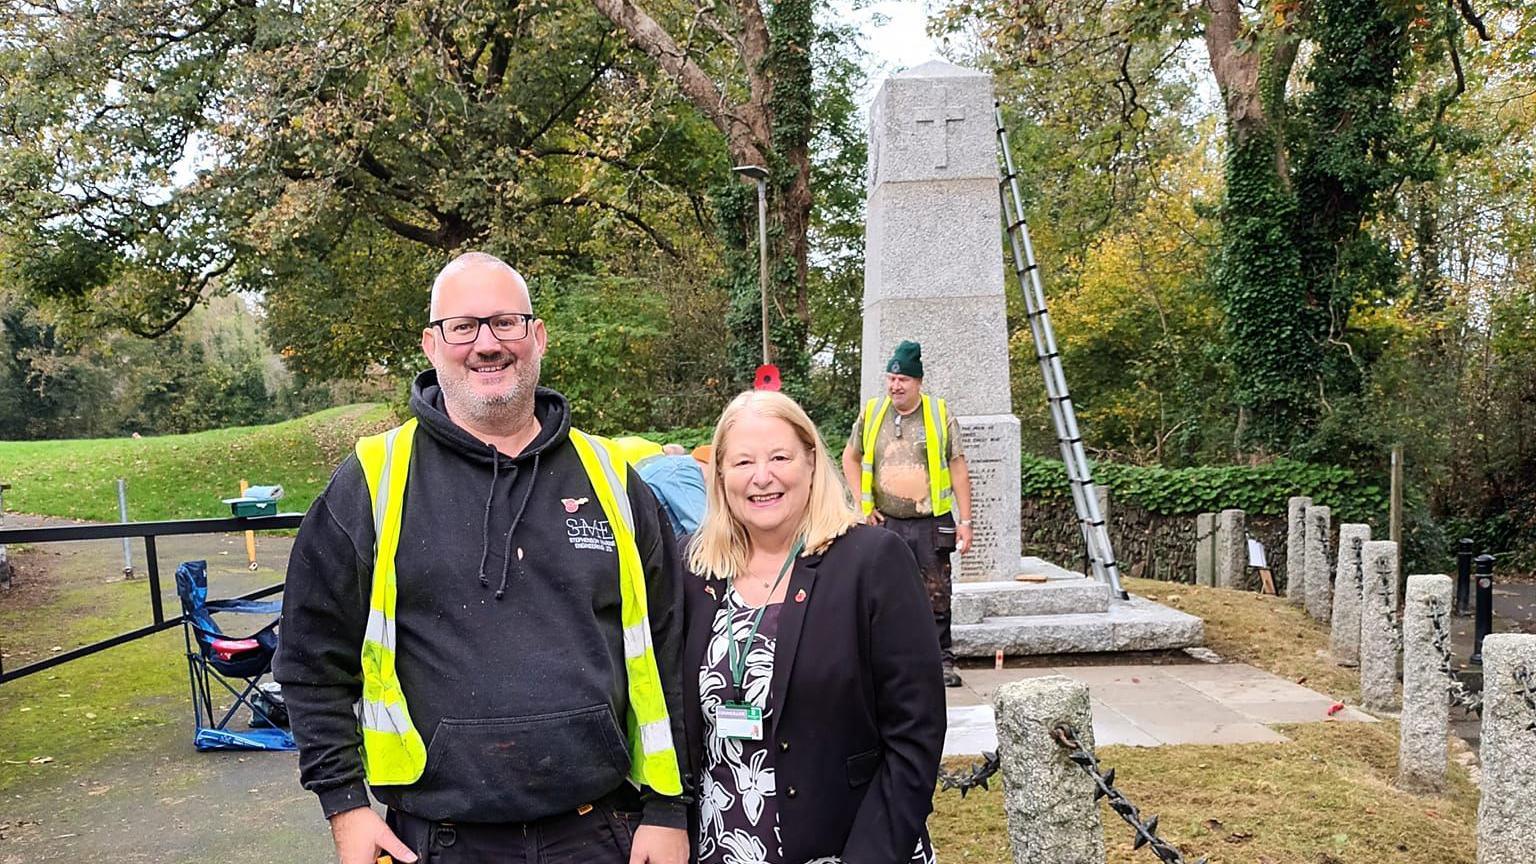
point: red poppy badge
(767, 378)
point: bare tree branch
(599, 66)
(192, 295)
(1470, 15)
(746, 133)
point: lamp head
(754, 172)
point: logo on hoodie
(593, 534)
(572, 504)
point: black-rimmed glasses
(464, 329)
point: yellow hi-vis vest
(935, 433)
(635, 449)
(393, 752)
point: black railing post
(1484, 624)
(153, 563)
(1464, 577)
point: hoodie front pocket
(519, 768)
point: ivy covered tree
(1305, 175)
(1307, 167)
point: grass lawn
(107, 706)
(183, 476)
(1325, 797)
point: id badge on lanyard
(736, 720)
(741, 719)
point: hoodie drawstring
(517, 518)
(485, 524)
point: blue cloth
(678, 482)
(243, 739)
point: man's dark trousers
(601, 835)
(935, 566)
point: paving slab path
(1153, 705)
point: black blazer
(857, 695)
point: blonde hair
(720, 548)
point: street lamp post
(759, 175)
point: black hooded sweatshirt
(509, 645)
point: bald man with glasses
(481, 623)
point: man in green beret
(905, 462)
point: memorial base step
(1137, 624)
(974, 602)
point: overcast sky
(894, 32)
(893, 35)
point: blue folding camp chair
(236, 664)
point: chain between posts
(1527, 692)
(1460, 695)
(1104, 783)
(978, 774)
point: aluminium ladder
(1101, 554)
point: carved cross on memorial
(933, 126)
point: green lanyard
(739, 664)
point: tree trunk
(1259, 278)
(770, 125)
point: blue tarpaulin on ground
(244, 739)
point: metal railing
(149, 531)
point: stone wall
(1147, 545)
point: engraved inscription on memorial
(985, 449)
(933, 126)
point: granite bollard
(1344, 638)
(1296, 549)
(1426, 716)
(1052, 813)
(1319, 586)
(1232, 550)
(1506, 813)
(1205, 549)
(1379, 643)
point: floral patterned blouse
(738, 800)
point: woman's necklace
(765, 580)
(762, 577)
(770, 582)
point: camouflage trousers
(919, 534)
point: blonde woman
(813, 695)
